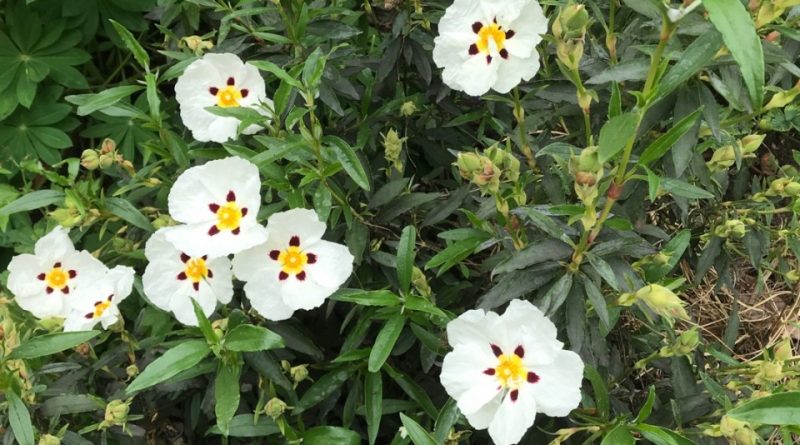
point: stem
(667, 28)
(519, 115)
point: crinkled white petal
(558, 390)
(55, 245)
(199, 186)
(304, 294)
(266, 298)
(529, 327)
(464, 379)
(303, 223)
(192, 92)
(475, 327)
(254, 261)
(333, 266)
(513, 418)
(194, 240)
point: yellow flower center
(100, 307)
(57, 278)
(228, 97)
(293, 260)
(510, 371)
(229, 216)
(491, 32)
(196, 269)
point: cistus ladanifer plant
(451, 222)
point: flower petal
(303, 223)
(464, 379)
(55, 245)
(194, 239)
(255, 261)
(513, 418)
(304, 294)
(333, 265)
(558, 390)
(475, 327)
(265, 297)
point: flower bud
(196, 44)
(792, 189)
(108, 146)
(572, 22)
(768, 372)
(420, 282)
(69, 217)
(393, 148)
(783, 350)
(49, 439)
(163, 221)
(662, 301)
(299, 373)
(408, 109)
(479, 170)
(116, 413)
(722, 159)
(792, 275)
(732, 228)
(105, 161)
(737, 431)
(751, 143)
(275, 408)
(686, 343)
(90, 159)
(132, 370)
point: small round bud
(90, 159)
(49, 439)
(108, 146)
(275, 408)
(132, 371)
(408, 109)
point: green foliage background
(368, 135)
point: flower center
(491, 34)
(229, 216)
(196, 269)
(57, 278)
(292, 260)
(228, 97)
(510, 371)
(100, 307)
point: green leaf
(661, 146)
(600, 390)
(417, 434)
(696, 56)
(245, 425)
(179, 358)
(19, 418)
(544, 223)
(739, 34)
(153, 101)
(684, 189)
(618, 436)
(127, 211)
(556, 295)
(50, 344)
(405, 257)
(249, 338)
(367, 298)
(446, 420)
(598, 302)
(322, 389)
(132, 44)
(604, 269)
(89, 103)
(226, 394)
(204, 324)
(774, 409)
(349, 160)
(615, 134)
(280, 73)
(32, 201)
(541, 251)
(373, 404)
(330, 435)
(647, 408)
(662, 436)
(313, 68)
(384, 342)
(412, 388)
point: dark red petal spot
(110, 297)
(514, 395)
(283, 275)
(90, 315)
(494, 20)
(275, 254)
(489, 371)
(488, 60)
(236, 230)
(204, 257)
(504, 53)
(311, 258)
(57, 265)
(213, 91)
(533, 377)
(41, 276)
(301, 276)
(72, 273)
(497, 351)
(510, 33)
(244, 92)
(209, 274)
(185, 258)
(213, 207)
(213, 231)
(97, 303)
(476, 27)
(244, 211)
(231, 196)
(49, 290)
(182, 276)
(294, 241)
(473, 49)
(196, 286)
(520, 351)
(65, 290)
(231, 81)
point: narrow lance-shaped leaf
(50, 344)
(405, 257)
(384, 342)
(663, 144)
(180, 358)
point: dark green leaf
(32, 201)
(405, 257)
(179, 358)
(322, 389)
(329, 435)
(696, 56)
(349, 160)
(774, 409)
(89, 103)
(615, 134)
(244, 425)
(249, 338)
(618, 436)
(132, 44)
(50, 344)
(384, 342)
(125, 210)
(367, 298)
(417, 434)
(662, 145)
(226, 394)
(19, 419)
(373, 403)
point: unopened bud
(662, 301)
(108, 146)
(783, 350)
(90, 159)
(393, 148)
(275, 408)
(751, 143)
(768, 372)
(197, 44)
(116, 413)
(69, 217)
(105, 161)
(408, 108)
(132, 371)
(299, 373)
(49, 439)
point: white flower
(218, 203)
(173, 278)
(295, 269)
(222, 80)
(96, 302)
(505, 368)
(44, 282)
(485, 44)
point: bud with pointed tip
(90, 159)
(275, 408)
(662, 301)
(49, 439)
